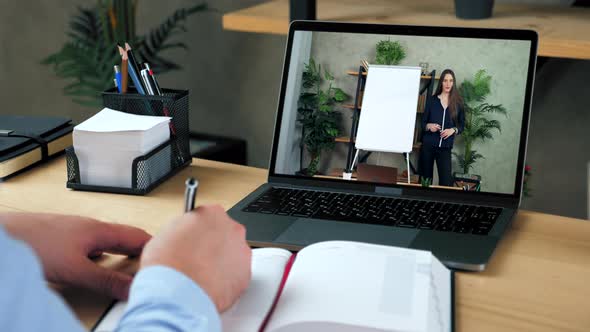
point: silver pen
(145, 77)
(190, 194)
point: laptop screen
(405, 110)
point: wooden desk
(538, 279)
(563, 31)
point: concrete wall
(505, 61)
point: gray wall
(234, 81)
(558, 150)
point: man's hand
(65, 245)
(447, 133)
(433, 127)
(208, 247)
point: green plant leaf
(478, 127)
(316, 109)
(327, 75)
(389, 53)
(339, 95)
(157, 40)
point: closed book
(18, 153)
(338, 286)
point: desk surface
(563, 31)
(537, 280)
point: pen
(190, 194)
(118, 78)
(154, 82)
(145, 77)
(154, 89)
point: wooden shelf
(563, 31)
(349, 106)
(346, 139)
(356, 73)
(337, 173)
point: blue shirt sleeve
(162, 299)
(26, 303)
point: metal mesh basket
(162, 162)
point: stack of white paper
(107, 143)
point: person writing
(442, 120)
(195, 268)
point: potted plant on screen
(478, 127)
(320, 122)
(389, 53)
(88, 57)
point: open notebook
(338, 286)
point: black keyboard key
(252, 208)
(407, 224)
(267, 210)
(462, 229)
(448, 227)
(426, 225)
(481, 230)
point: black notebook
(27, 140)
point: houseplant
(88, 57)
(320, 122)
(478, 127)
(389, 53)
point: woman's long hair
(455, 99)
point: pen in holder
(153, 168)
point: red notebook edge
(279, 291)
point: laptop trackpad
(308, 231)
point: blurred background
(234, 79)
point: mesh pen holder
(162, 162)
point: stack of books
(27, 140)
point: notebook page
(248, 313)
(345, 286)
(441, 281)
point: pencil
(124, 73)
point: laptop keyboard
(397, 212)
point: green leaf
(389, 53)
(339, 95)
(327, 75)
(478, 127)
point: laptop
(305, 201)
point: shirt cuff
(172, 296)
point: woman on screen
(442, 120)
